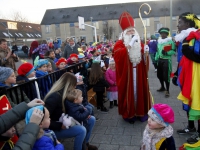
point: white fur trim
(161, 41)
(184, 33)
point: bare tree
(107, 30)
(17, 16)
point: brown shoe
(161, 89)
(166, 94)
(91, 147)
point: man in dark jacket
(31, 130)
(70, 48)
(25, 49)
(14, 48)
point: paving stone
(114, 130)
(102, 138)
(108, 147)
(129, 148)
(121, 140)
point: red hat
(126, 20)
(4, 104)
(25, 69)
(60, 61)
(73, 55)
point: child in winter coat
(111, 79)
(7, 80)
(158, 132)
(41, 71)
(44, 141)
(50, 56)
(97, 80)
(73, 104)
(61, 63)
(26, 73)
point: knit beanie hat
(162, 114)
(5, 73)
(73, 55)
(30, 112)
(25, 69)
(81, 55)
(40, 63)
(60, 61)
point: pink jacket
(111, 78)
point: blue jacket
(45, 143)
(76, 111)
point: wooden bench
(92, 97)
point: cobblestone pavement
(112, 133)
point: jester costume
(189, 71)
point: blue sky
(34, 10)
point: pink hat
(162, 113)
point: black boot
(115, 103)
(111, 104)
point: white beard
(135, 51)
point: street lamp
(92, 28)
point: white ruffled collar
(184, 33)
(161, 41)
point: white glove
(146, 48)
(133, 40)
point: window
(5, 34)
(158, 26)
(10, 34)
(16, 34)
(96, 24)
(174, 18)
(39, 35)
(156, 18)
(57, 25)
(32, 35)
(71, 24)
(29, 26)
(147, 22)
(36, 35)
(28, 35)
(20, 34)
(48, 28)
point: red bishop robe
(124, 76)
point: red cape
(124, 76)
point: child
(7, 80)
(73, 104)
(49, 68)
(50, 56)
(57, 53)
(111, 79)
(44, 140)
(158, 132)
(61, 63)
(41, 71)
(97, 80)
(9, 138)
(73, 58)
(26, 72)
(41, 67)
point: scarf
(151, 137)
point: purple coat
(111, 79)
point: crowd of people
(118, 71)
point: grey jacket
(31, 130)
(68, 51)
